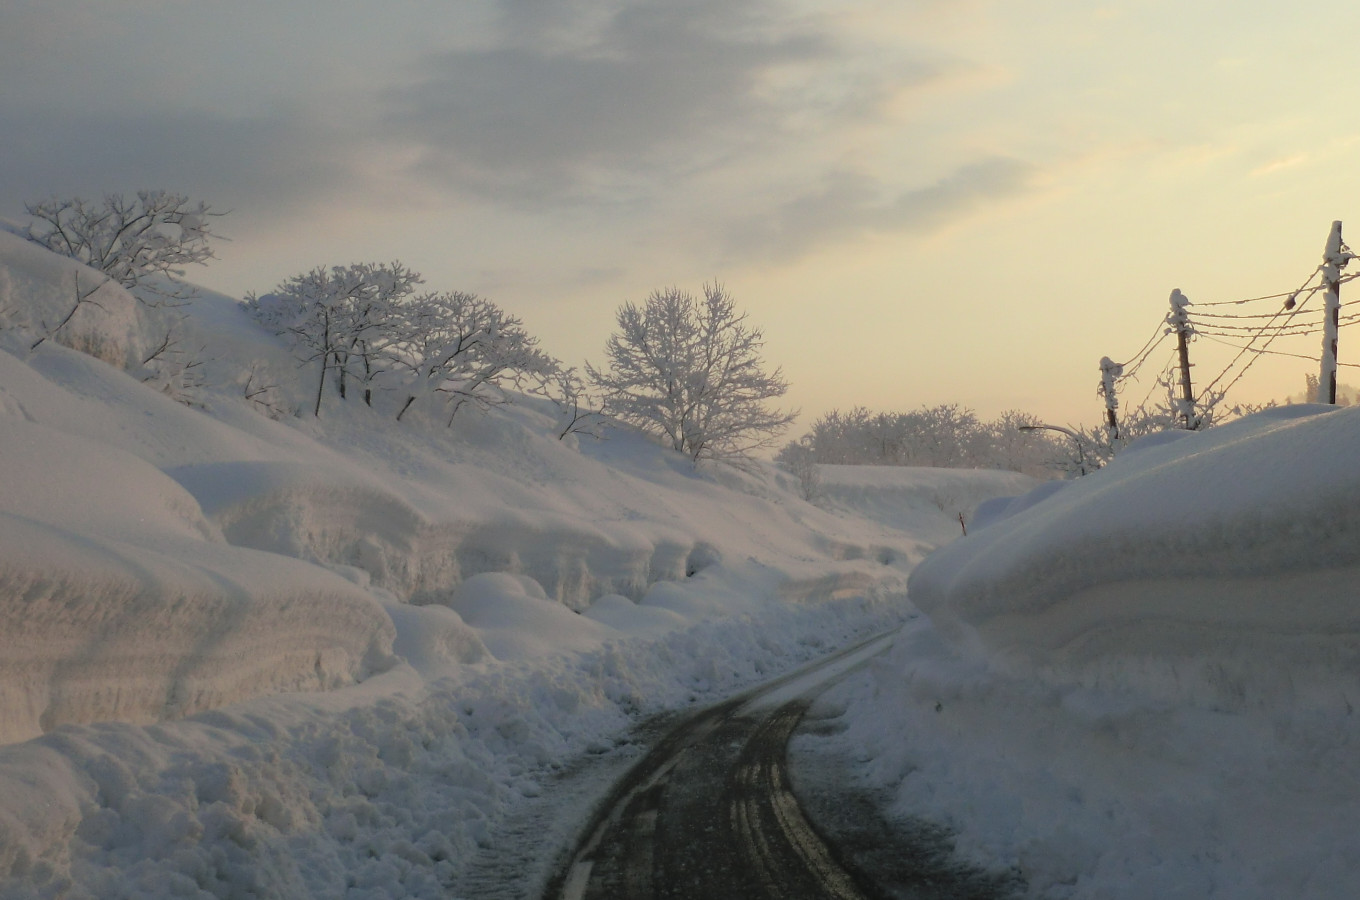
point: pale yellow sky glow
(919, 202)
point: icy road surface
(709, 813)
(710, 810)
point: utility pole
(1109, 372)
(1334, 259)
(1179, 320)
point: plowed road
(709, 812)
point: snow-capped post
(1334, 259)
(1179, 320)
(1109, 373)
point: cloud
(588, 102)
(1278, 165)
(615, 117)
(846, 205)
(268, 163)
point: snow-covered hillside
(1143, 683)
(249, 651)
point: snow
(125, 602)
(251, 652)
(923, 502)
(1142, 682)
(248, 652)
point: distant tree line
(947, 436)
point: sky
(917, 201)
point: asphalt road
(710, 812)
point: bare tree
(947, 435)
(344, 319)
(174, 368)
(263, 394)
(1015, 444)
(690, 371)
(465, 349)
(128, 239)
(800, 460)
(577, 411)
(371, 321)
(364, 323)
(81, 297)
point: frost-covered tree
(799, 460)
(465, 349)
(690, 372)
(1013, 444)
(947, 435)
(129, 239)
(364, 324)
(578, 411)
(173, 365)
(343, 319)
(374, 320)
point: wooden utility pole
(1109, 372)
(1334, 259)
(1179, 320)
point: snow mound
(1219, 568)
(516, 620)
(38, 291)
(370, 625)
(924, 501)
(124, 602)
(622, 614)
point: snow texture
(247, 651)
(1142, 683)
(1131, 575)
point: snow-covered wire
(1287, 294)
(1157, 382)
(1232, 317)
(1249, 348)
(1283, 330)
(1136, 361)
(1277, 353)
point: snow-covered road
(710, 811)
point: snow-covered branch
(129, 239)
(690, 372)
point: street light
(1076, 438)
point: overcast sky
(919, 201)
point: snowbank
(1141, 683)
(121, 601)
(165, 557)
(1219, 568)
(277, 655)
(924, 502)
(39, 289)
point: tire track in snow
(709, 812)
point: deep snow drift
(1142, 683)
(245, 651)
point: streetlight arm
(1076, 438)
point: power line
(1277, 353)
(1231, 317)
(1249, 348)
(1138, 358)
(1284, 330)
(1220, 326)
(1267, 296)
(1157, 382)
